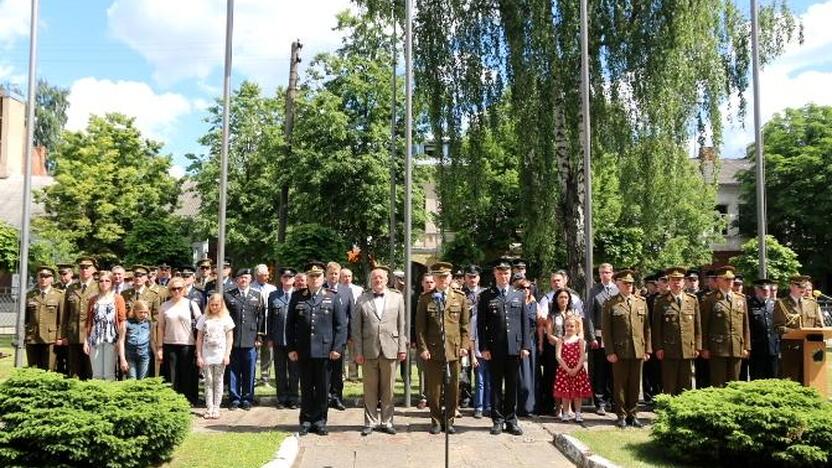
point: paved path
(472, 446)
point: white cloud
(176, 171)
(186, 38)
(14, 21)
(793, 80)
(156, 114)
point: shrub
(48, 420)
(765, 422)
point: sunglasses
(139, 274)
(45, 275)
(176, 289)
(105, 281)
(84, 266)
(204, 268)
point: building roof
(189, 200)
(730, 168)
(11, 192)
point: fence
(8, 309)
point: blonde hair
(138, 306)
(223, 310)
(579, 326)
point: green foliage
(307, 242)
(107, 177)
(157, 240)
(50, 116)
(463, 249)
(797, 150)
(9, 247)
(763, 422)
(52, 421)
(781, 261)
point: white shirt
(378, 301)
(213, 338)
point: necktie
(378, 294)
(83, 288)
(679, 301)
(43, 294)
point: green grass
(630, 447)
(223, 449)
(7, 362)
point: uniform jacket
(765, 341)
(148, 294)
(789, 315)
(277, 315)
(317, 324)
(197, 295)
(502, 324)
(676, 329)
(74, 315)
(247, 312)
(211, 286)
(43, 315)
(626, 328)
(379, 334)
(725, 330)
(454, 315)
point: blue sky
(161, 61)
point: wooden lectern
(803, 357)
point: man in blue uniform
(765, 341)
(245, 306)
(285, 371)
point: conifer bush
(49, 420)
(763, 422)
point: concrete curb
(580, 454)
(285, 455)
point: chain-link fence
(8, 308)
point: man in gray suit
(380, 339)
(600, 369)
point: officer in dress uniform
(316, 336)
(64, 278)
(192, 290)
(795, 311)
(652, 370)
(44, 305)
(285, 370)
(74, 318)
(442, 308)
(677, 333)
(765, 341)
(246, 308)
(152, 296)
(726, 338)
(504, 339)
(228, 282)
(627, 335)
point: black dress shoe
(293, 405)
(246, 405)
(635, 422)
(235, 405)
(390, 430)
(496, 429)
(435, 429)
(337, 404)
(514, 429)
(303, 430)
(322, 431)
(621, 423)
(366, 431)
(279, 405)
(451, 430)
(477, 414)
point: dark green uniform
(74, 326)
(455, 309)
(43, 320)
(627, 335)
(725, 334)
(789, 314)
(677, 331)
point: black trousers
(763, 367)
(504, 402)
(601, 378)
(315, 374)
(465, 395)
(547, 382)
(336, 386)
(286, 376)
(651, 378)
(179, 369)
(78, 362)
(702, 370)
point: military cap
(46, 268)
(692, 274)
(315, 268)
(164, 266)
(458, 273)
(727, 272)
(625, 276)
(472, 270)
(661, 276)
(226, 263)
(799, 279)
(738, 279)
(141, 269)
(64, 267)
(651, 279)
(502, 264)
(398, 274)
(517, 277)
(286, 271)
(710, 273)
(762, 283)
(187, 270)
(441, 268)
(128, 275)
(205, 262)
(243, 271)
(152, 269)
(519, 263)
(675, 272)
(87, 260)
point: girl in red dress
(572, 382)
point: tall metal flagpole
(758, 143)
(408, 160)
(393, 146)
(27, 189)
(226, 111)
(586, 143)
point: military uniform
(448, 310)
(285, 371)
(247, 310)
(677, 331)
(794, 315)
(725, 334)
(316, 326)
(627, 335)
(43, 319)
(503, 330)
(765, 341)
(74, 324)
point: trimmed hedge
(763, 422)
(48, 420)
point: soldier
(246, 308)
(627, 336)
(64, 276)
(316, 335)
(692, 282)
(74, 318)
(44, 305)
(336, 382)
(228, 281)
(677, 333)
(795, 311)
(504, 339)
(652, 371)
(192, 291)
(765, 341)
(203, 272)
(470, 284)
(442, 309)
(164, 275)
(725, 332)
(285, 371)
(481, 390)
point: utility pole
(291, 94)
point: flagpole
(226, 111)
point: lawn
(630, 447)
(223, 449)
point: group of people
(506, 350)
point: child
(213, 351)
(134, 341)
(572, 382)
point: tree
(797, 146)
(51, 103)
(9, 247)
(781, 261)
(307, 242)
(157, 240)
(107, 178)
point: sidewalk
(471, 446)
